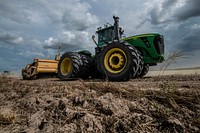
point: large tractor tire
(96, 74)
(118, 61)
(145, 70)
(140, 65)
(69, 66)
(86, 69)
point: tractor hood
(141, 35)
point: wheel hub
(66, 66)
(115, 60)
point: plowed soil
(151, 104)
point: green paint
(144, 43)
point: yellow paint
(66, 66)
(115, 60)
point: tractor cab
(109, 33)
(104, 35)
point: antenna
(108, 23)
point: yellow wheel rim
(66, 66)
(115, 60)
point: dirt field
(174, 72)
(151, 104)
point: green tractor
(116, 58)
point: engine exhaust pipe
(116, 28)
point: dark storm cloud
(154, 15)
(81, 20)
(190, 42)
(10, 38)
(71, 22)
(157, 14)
(190, 9)
(15, 12)
(168, 11)
(69, 41)
(64, 46)
(167, 3)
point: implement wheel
(118, 61)
(69, 65)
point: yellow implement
(41, 67)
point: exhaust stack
(116, 28)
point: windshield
(105, 35)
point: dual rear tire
(74, 65)
(69, 65)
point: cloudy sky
(35, 28)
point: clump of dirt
(7, 116)
(157, 104)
